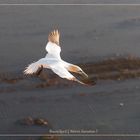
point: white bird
(54, 62)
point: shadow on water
(116, 68)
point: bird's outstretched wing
(74, 68)
(32, 68)
(63, 73)
(54, 37)
(36, 67)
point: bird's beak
(84, 74)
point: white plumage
(54, 62)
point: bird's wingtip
(27, 71)
(76, 80)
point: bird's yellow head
(54, 37)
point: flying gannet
(54, 62)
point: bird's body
(53, 61)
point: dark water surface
(87, 32)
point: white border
(57, 4)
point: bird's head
(54, 37)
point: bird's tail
(32, 68)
